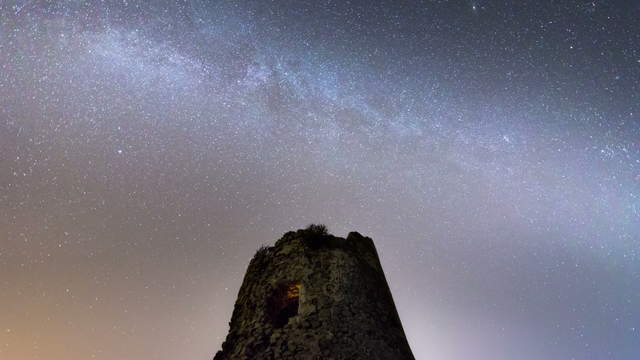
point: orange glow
(293, 291)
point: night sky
(490, 148)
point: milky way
(490, 148)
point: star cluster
(490, 148)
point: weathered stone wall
(338, 289)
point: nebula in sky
(490, 148)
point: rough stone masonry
(315, 296)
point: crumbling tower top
(315, 296)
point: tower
(315, 296)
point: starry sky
(490, 148)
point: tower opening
(283, 304)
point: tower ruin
(315, 296)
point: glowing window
(283, 304)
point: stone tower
(315, 296)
